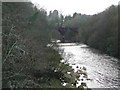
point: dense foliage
(27, 61)
(99, 31)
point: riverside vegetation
(99, 31)
(26, 31)
(27, 61)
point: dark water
(102, 69)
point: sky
(68, 7)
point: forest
(99, 31)
(26, 30)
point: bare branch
(9, 52)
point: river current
(102, 70)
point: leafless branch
(9, 52)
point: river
(102, 70)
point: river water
(102, 70)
